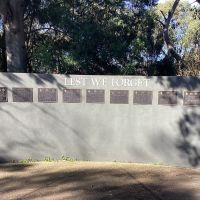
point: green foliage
(26, 161)
(90, 37)
(106, 37)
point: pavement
(97, 181)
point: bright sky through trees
(163, 1)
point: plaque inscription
(119, 96)
(167, 98)
(95, 96)
(72, 96)
(143, 97)
(22, 94)
(191, 98)
(3, 94)
(47, 95)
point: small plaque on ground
(191, 98)
(22, 94)
(143, 97)
(72, 96)
(119, 96)
(167, 98)
(47, 95)
(95, 96)
(3, 94)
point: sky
(162, 1)
(192, 2)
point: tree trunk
(170, 46)
(13, 18)
(4, 60)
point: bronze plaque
(119, 96)
(95, 96)
(47, 95)
(167, 98)
(3, 94)
(22, 94)
(72, 96)
(191, 98)
(143, 97)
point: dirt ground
(95, 181)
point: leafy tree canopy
(106, 37)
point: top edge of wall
(79, 75)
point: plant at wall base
(27, 161)
(49, 159)
(67, 158)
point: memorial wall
(100, 118)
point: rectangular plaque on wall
(119, 96)
(3, 94)
(143, 97)
(95, 96)
(47, 95)
(191, 98)
(72, 96)
(22, 94)
(167, 98)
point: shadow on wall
(189, 127)
(31, 134)
(108, 182)
(44, 143)
(189, 124)
(189, 142)
(179, 82)
(40, 79)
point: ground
(95, 181)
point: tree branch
(170, 46)
(163, 15)
(172, 11)
(158, 20)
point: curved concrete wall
(165, 130)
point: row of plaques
(50, 95)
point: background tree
(182, 40)
(99, 37)
(93, 37)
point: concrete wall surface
(161, 131)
